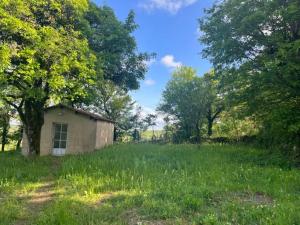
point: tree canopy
(43, 57)
(185, 100)
(52, 51)
(114, 46)
(254, 46)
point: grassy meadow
(148, 134)
(151, 184)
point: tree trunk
(34, 120)
(198, 135)
(115, 134)
(209, 122)
(3, 140)
(187, 135)
(211, 117)
(209, 126)
(4, 135)
(153, 135)
(136, 135)
(34, 139)
(20, 137)
(18, 145)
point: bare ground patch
(36, 201)
(105, 197)
(257, 198)
(133, 218)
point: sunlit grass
(148, 134)
(156, 184)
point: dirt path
(36, 201)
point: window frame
(63, 129)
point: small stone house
(72, 131)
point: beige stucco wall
(84, 134)
(105, 134)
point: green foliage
(234, 127)
(167, 184)
(150, 121)
(57, 57)
(254, 46)
(215, 99)
(44, 58)
(185, 99)
(113, 103)
(5, 114)
(115, 47)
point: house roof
(81, 112)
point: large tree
(65, 51)
(215, 100)
(254, 46)
(114, 45)
(112, 102)
(5, 116)
(119, 65)
(42, 57)
(185, 100)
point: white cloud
(149, 82)
(172, 6)
(169, 61)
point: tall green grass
(157, 184)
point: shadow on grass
(245, 154)
(113, 210)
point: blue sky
(169, 29)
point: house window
(60, 136)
